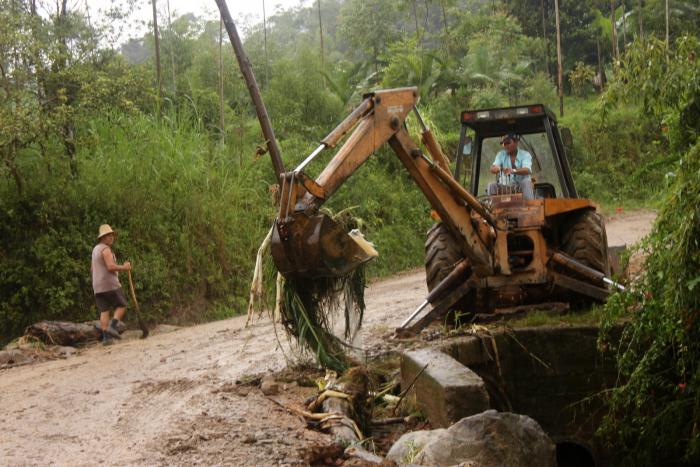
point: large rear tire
(586, 241)
(441, 254)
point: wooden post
(560, 72)
(157, 43)
(253, 88)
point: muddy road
(172, 400)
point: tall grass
(190, 217)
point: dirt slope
(170, 399)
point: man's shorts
(107, 301)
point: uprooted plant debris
(308, 307)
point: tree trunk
(615, 53)
(624, 27)
(253, 89)
(67, 128)
(601, 75)
(544, 38)
(667, 30)
(63, 332)
(320, 32)
(221, 80)
(157, 44)
(447, 29)
(560, 72)
(172, 49)
(266, 81)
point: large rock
(489, 439)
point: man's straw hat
(104, 230)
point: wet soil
(172, 399)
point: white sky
(250, 11)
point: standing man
(105, 282)
(515, 164)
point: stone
(356, 452)
(65, 351)
(489, 439)
(269, 386)
(405, 449)
(446, 391)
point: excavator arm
(307, 243)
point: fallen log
(346, 397)
(63, 332)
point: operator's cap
(511, 135)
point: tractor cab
(480, 138)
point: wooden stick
(403, 394)
(142, 325)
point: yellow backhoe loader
(489, 255)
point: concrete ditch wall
(552, 374)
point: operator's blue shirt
(523, 159)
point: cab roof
(524, 119)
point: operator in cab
(513, 167)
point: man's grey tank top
(102, 279)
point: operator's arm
(497, 165)
(111, 265)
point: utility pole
(155, 35)
(560, 73)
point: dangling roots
(307, 309)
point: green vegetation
(654, 411)
(85, 139)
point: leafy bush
(655, 408)
(188, 218)
(581, 78)
(618, 159)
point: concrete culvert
(573, 454)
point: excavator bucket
(316, 246)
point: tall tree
(221, 79)
(560, 71)
(667, 28)
(320, 33)
(172, 49)
(613, 21)
(157, 44)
